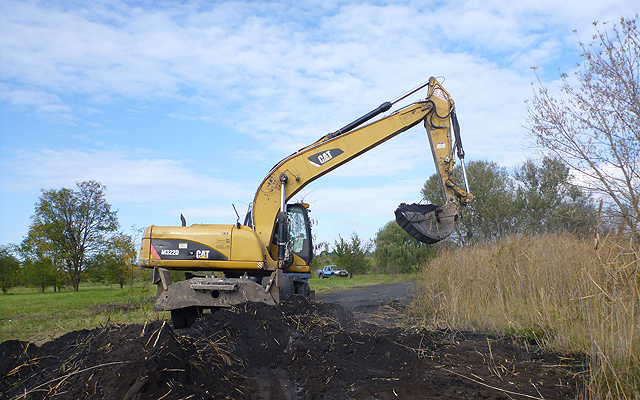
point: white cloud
(279, 74)
(31, 98)
(46, 105)
(217, 214)
(128, 176)
(364, 201)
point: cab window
(299, 232)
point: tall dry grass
(561, 290)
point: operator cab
(298, 235)
(300, 231)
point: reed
(564, 292)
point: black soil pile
(296, 350)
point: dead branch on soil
(37, 388)
(157, 331)
(211, 351)
(391, 315)
(144, 327)
(419, 351)
(305, 323)
(30, 362)
(495, 388)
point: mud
(296, 350)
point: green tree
(593, 124)
(73, 224)
(546, 201)
(397, 252)
(115, 263)
(322, 259)
(39, 273)
(352, 254)
(9, 268)
(538, 198)
(41, 268)
(490, 215)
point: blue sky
(184, 108)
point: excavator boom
(293, 173)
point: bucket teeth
(427, 223)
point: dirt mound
(296, 350)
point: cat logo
(321, 158)
(202, 254)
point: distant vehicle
(332, 270)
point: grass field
(33, 316)
(30, 315)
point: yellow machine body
(206, 247)
(267, 258)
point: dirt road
(295, 350)
(367, 299)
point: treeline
(535, 198)
(532, 199)
(73, 237)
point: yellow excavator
(267, 258)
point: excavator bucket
(427, 223)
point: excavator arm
(427, 223)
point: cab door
(300, 240)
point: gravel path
(367, 299)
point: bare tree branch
(594, 126)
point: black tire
(179, 318)
(184, 317)
(286, 289)
(302, 289)
(193, 313)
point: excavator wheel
(301, 288)
(427, 223)
(184, 317)
(286, 289)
